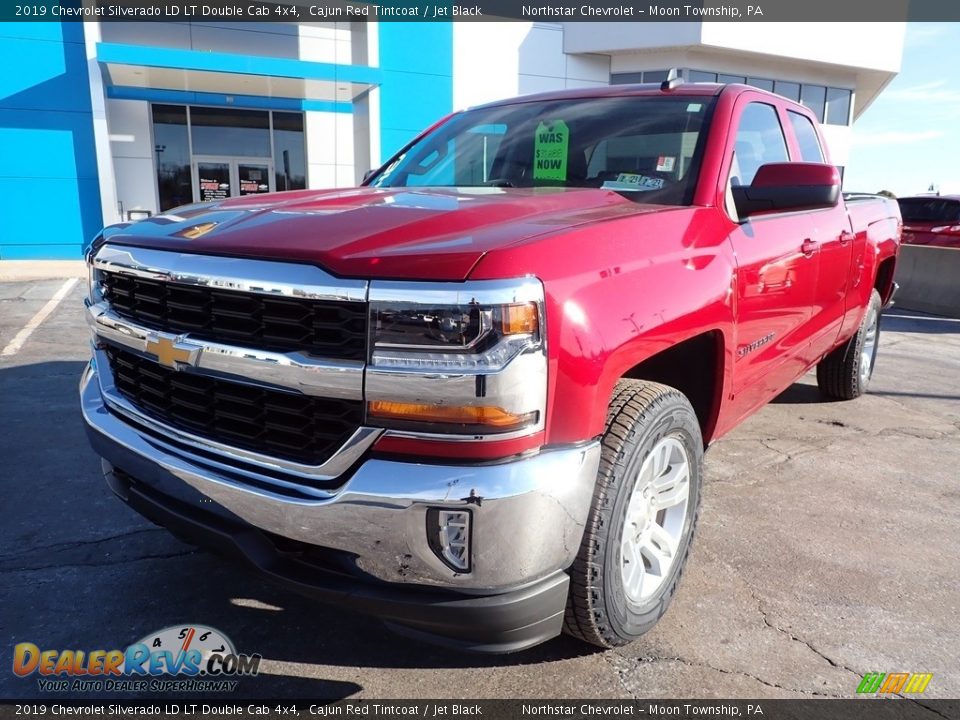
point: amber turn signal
(519, 319)
(493, 417)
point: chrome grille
(326, 328)
(291, 426)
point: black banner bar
(900, 708)
(482, 10)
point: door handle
(846, 236)
(809, 247)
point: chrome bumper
(527, 514)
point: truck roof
(930, 196)
(641, 89)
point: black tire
(841, 375)
(641, 414)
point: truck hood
(402, 233)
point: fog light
(448, 533)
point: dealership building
(107, 122)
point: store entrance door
(219, 177)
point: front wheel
(642, 518)
(845, 373)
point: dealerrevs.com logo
(180, 658)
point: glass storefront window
(230, 131)
(838, 106)
(655, 76)
(731, 78)
(172, 155)
(626, 78)
(815, 98)
(761, 83)
(787, 89)
(233, 152)
(702, 76)
(290, 165)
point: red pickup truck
(472, 397)
(931, 220)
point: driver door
(776, 269)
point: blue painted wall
(417, 90)
(49, 191)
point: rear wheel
(845, 373)
(642, 518)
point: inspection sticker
(665, 163)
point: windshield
(934, 210)
(647, 148)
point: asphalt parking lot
(829, 547)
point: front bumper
(527, 522)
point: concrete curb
(21, 270)
(929, 279)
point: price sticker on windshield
(550, 151)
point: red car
(931, 220)
(473, 397)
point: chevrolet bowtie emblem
(171, 351)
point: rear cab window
(930, 210)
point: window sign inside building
(214, 179)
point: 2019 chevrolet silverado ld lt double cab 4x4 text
(472, 396)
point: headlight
(462, 358)
(461, 338)
(94, 286)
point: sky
(909, 137)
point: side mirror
(783, 187)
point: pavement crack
(766, 621)
(80, 543)
(102, 563)
(725, 671)
(764, 616)
(611, 659)
(924, 706)
(787, 457)
(918, 433)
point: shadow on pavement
(910, 321)
(84, 571)
(800, 394)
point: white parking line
(21, 337)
